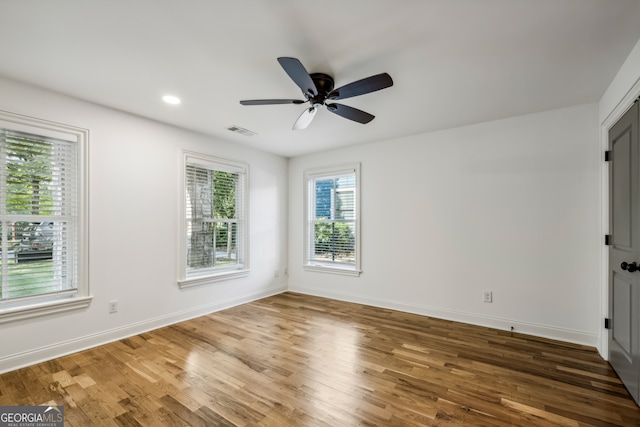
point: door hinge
(607, 323)
(607, 240)
(607, 156)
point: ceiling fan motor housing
(324, 84)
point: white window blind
(332, 219)
(38, 215)
(215, 217)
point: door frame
(620, 109)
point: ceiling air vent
(241, 131)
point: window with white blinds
(332, 220)
(39, 214)
(215, 225)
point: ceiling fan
(317, 89)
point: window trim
(317, 266)
(211, 275)
(41, 305)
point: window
(215, 231)
(333, 220)
(42, 217)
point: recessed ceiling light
(170, 99)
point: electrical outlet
(488, 296)
(113, 306)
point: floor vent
(242, 131)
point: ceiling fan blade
(299, 75)
(305, 118)
(350, 113)
(361, 87)
(271, 101)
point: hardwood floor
(297, 360)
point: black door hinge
(607, 240)
(607, 156)
(607, 323)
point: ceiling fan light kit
(318, 88)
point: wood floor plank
(299, 360)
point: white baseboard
(544, 331)
(21, 360)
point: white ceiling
(453, 62)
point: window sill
(320, 268)
(211, 278)
(42, 309)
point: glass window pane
(200, 244)
(226, 244)
(345, 207)
(324, 194)
(224, 194)
(334, 241)
(348, 181)
(29, 176)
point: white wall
(511, 206)
(134, 172)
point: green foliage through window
(334, 241)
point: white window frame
(309, 209)
(41, 305)
(214, 274)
